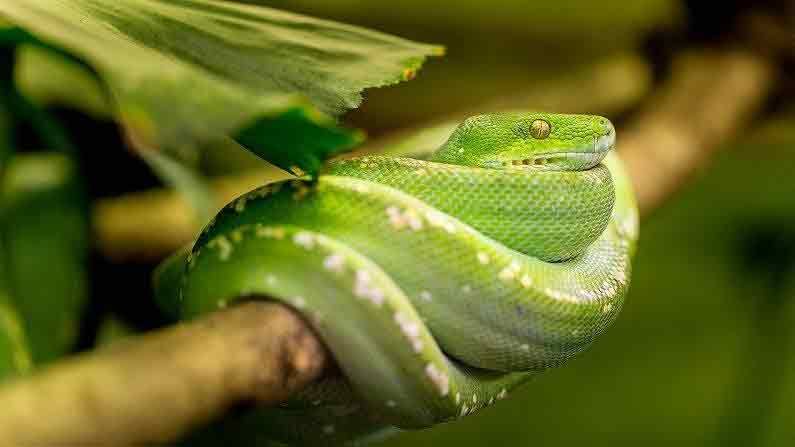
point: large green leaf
(184, 73)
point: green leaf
(184, 73)
(44, 245)
(14, 355)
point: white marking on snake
(466, 288)
(438, 378)
(223, 245)
(328, 429)
(240, 204)
(334, 263)
(299, 302)
(410, 329)
(305, 240)
(270, 279)
(509, 272)
(413, 219)
(263, 231)
(483, 258)
(391, 404)
(449, 227)
(526, 281)
(425, 295)
(440, 220)
(396, 218)
(457, 398)
(364, 288)
(236, 235)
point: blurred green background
(703, 353)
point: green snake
(438, 282)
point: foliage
(180, 78)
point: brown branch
(158, 386)
(710, 97)
(155, 387)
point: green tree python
(438, 282)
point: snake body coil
(438, 284)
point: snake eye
(539, 129)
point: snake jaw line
(563, 161)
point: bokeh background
(704, 350)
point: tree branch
(711, 96)
(157, 386)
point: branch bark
(158, 386)
(155, 387)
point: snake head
(529, 140)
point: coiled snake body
(438, 284)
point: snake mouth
(568, 159)
(576, 159)
(559, 161)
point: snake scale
(438, 282)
